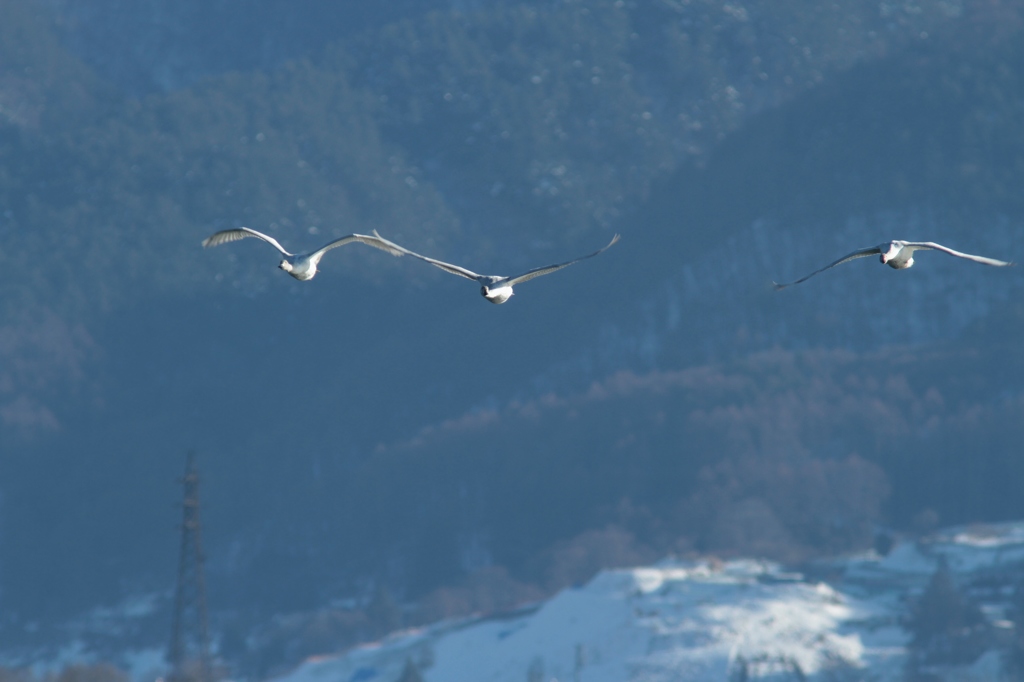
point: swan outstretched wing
(376, 242)
(917, 246)
(548, 269)
(852, 256)
(225, 236)
(447, 267)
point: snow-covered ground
(676, 620)
(673, 621)
(706, 620)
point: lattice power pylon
(189, 653)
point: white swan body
(899, 255)
(494, 288)
(303, 266)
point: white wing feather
(375, 242)
(225, 236)
(548, 269)
(860, 253)
(447, 267)
(916, 246)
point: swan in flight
(495, 288)
(899, 255)
(301, 266)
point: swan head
(891, 251)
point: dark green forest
(411, 128)
(378, 428)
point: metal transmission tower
(189, 654)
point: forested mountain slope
(345, 418)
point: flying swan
(495, 288)
(898, 255)
(300, 266)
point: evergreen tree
(382, 613)
(535, 673)
(410, 673)
(100, 672)
(1013, 660)
(947, 627)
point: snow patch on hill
(672, 621)
(706, 620)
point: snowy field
(698, 621)
(668, 622)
